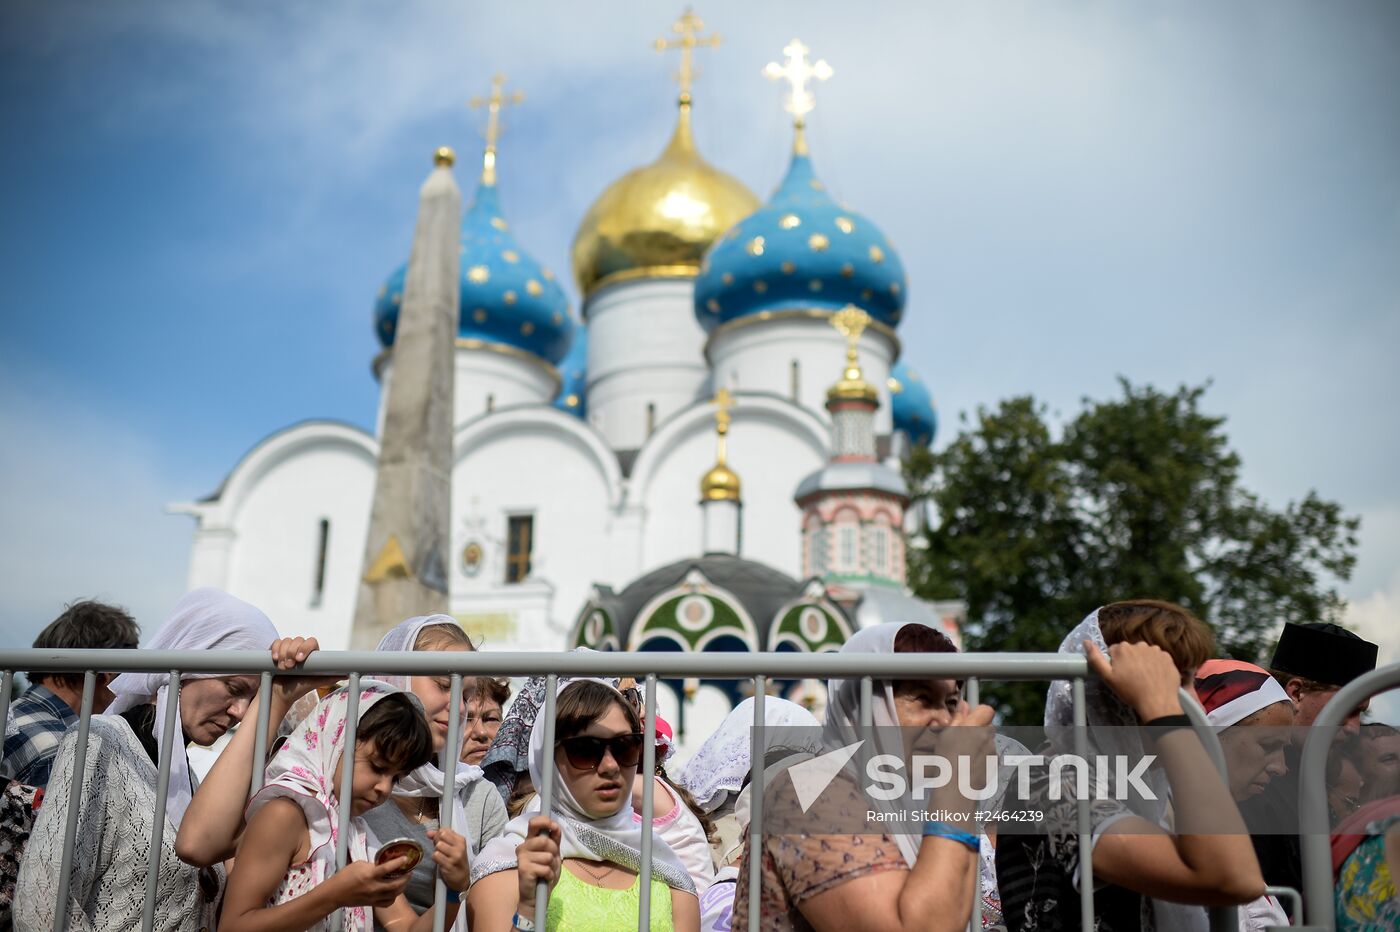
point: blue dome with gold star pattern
(573, 377)
(801, 250)
(912, 405)
(508, 299)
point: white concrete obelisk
(406, 549)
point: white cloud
(1376, 617)
(83, 498)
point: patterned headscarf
(303, 770)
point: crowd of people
(464, 830)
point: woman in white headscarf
(717, 776)
(1141, 653)
(588, 846)
(414, 811)
(118, 788)
(891, 879)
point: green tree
(1138, 497)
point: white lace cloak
(112, 845)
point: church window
(323, 536)
(651, 417)
(795, 378)
(490, 403)
(879, 548)
(821, 562)
(846, 538)
(519, 539)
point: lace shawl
(112, 845)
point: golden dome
(720, 484)
(657, 221)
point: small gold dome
(720, 484)
(444, 156)
(659, 220)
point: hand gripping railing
(1314, 827)
(758, 668)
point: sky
(200, 201)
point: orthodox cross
(688, 29)
(493, 103)
(851, 322)
(723, 402)
(798, 72)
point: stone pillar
(406, 549)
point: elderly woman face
(1254, 749)
(922, 703)
(210, 707)
(482, 722)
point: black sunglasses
(585, 752)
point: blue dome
(800, 250)
(507, 298)
(912, 405)
(573, 377)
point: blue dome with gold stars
(801, 250)
(912, 405)
(508, 299)
(573, 376)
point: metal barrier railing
(1314, 826)
(759, 668)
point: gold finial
(688, 28)
(444, 156)
(721, 483)
(798, 72)
(493, 103)
(851, 322)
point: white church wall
(485, 378)
(645, 359)
(541, 463)
(273, 506)
(773, 445)
(799, 358)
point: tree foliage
(1138, 497)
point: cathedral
(706, 457)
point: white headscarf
(842, 726)
(720, 768)
(205, 619)
(303, 770)
(428, 780)
(616, 839)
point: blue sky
(201, 199)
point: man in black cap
(1311, 662)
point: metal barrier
(756, 667)
(1314, 825)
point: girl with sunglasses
(588, 847)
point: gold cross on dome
(493, 103)
(851, 322)
(688, 29)
(723, 402)
(798, 72)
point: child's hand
(363, 883)
(450, 855)
(537, 859)
(288, 653)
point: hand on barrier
(537, 859)
(450, 855)
(287, 653)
